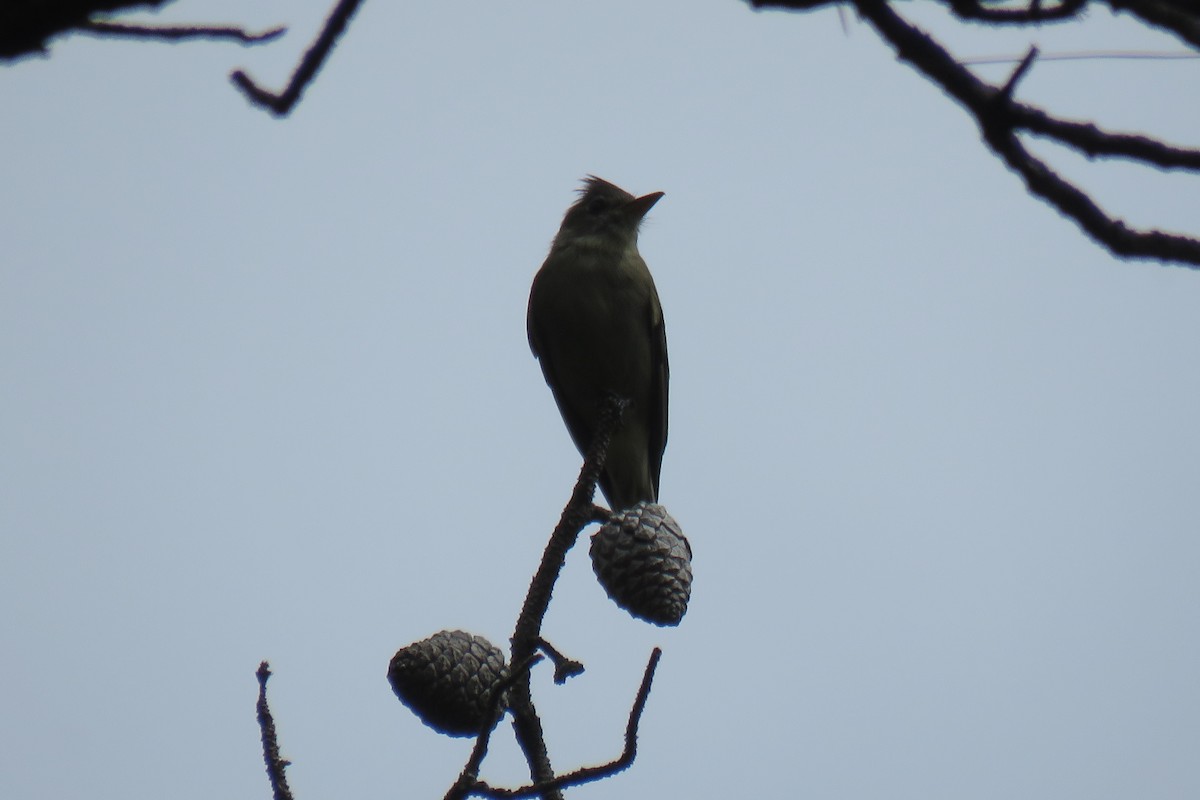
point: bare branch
(1094, 142)
(180, 33)
(469, 776)
(1013, 13)
(1010, 86)
(26, 26)
(1000, 120)
(1114, 234)
(577, 514)
(281, 104)
(564, 667)
(589, 774)
(794, 5)
(1180, 18)
(600, 514)
(276, 764)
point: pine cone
(447, 680)
(644, 563)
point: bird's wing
(530, 328)
(577, 426)
(661, 374)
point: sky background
(267, 395)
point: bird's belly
(610, 341)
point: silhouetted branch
(576, 515)
(281, 104)
(589, 774)
(1001, 120)
(564, 667)
(1181, 18)
(600, 514)
(1010, 86)
(1092, 141)
(276, 764)
(1015, 13)
(469, 776)
(26, 26)
(175, 33)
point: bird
(595, 324)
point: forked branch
(1002, 120)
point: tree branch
(1012, 13)
(1181, 18)
(1001, 120)
(1094, 142)
(564, 668)
(525, 639)
(175, 33)
(280, 104)
(26, 26)
(589, 774)
(1010, 86)
(276, 764)
(469, 776)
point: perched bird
(596, 326)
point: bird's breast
(600, 317)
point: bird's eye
(597, 205)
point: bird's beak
(640, 206)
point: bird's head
(604, 215)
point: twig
(575, 516)
(276, 764)
(27, 27)
(281, 104)
(599, 514)
(977, 11)
(1022, 69)
(470, 773)
(1001, 119)
(589, 774)
(1180, 18)
(1093, 142)
(564, 667)
(1001, 122)
(175, 33)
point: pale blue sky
(267, 395)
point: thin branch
(1180, 18)
(577, 514)
(1094, 142)
(1010, 86)
(1118, 237)
(1007, 14)
(793, 5)
(281, 104)
(179, 33)
(469, 776)
(1001, 121)
(590, 774)
(276, 764)
(27, 26)
(564, 667)
(600, 514)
